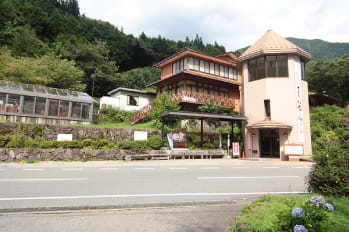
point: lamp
(93, 76)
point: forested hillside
(55, 30)
(321, 49)
(48, 42)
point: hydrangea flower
(317, 201)
(297, 212)
(329, 207)
(299, 228)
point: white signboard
(189, 99)
(64, 137)
(140, 135)
(298, 78)
(294, 149)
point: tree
(47, 70)
(161, 103)
(330, 77)
(93, 58)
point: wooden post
(201, 134)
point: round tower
(275, 98)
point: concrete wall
(282, 93)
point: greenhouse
(38, 104)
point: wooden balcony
(201, 98)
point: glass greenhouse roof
(40, 90)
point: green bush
(48, 144)
(330, 175)
(114, 115)
(31, 144)
(154, 142)
(15, 144)
(4, 140)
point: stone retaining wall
(89, 154)
(50, 132)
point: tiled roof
(272, 43)
(269, 124)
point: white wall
(119, 100)
(283, 105)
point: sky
(232, 23)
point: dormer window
(268, 66)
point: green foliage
(320, 49)
(45, 70)
(314, 218)
(211, 107)
(330, 77)
(137, 78)
(274, 214)
(153, 143)
(161, 103)
(330, 174)
(113, 115)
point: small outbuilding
(38, 104)
(127, 99)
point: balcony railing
(201, 98)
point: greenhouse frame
(38, 104)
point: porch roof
(269, 124)
(201, 116)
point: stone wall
(61, 154)
(106, 154)
(50, 132)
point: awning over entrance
(201, 116)
(269, 124)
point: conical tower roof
(272, 43)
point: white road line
(33, 169)
(243, 177)
(239, 167)
(109, 169)
(209, 168)
(143, 195)
(177, 168)
(271, 167)
(72, 169)
(302, 167)
(1, 169)
(54, 179)
(144, 168)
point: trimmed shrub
(114, 115)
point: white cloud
(233, 23)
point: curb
(71, 209)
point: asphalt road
(75, 184)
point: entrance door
(270, 143)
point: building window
(76, 110)
(267, 108)
(28, 105)
(303, 70)
(53, 108)
(2, 101)
(63, 108)
(40, 106)
(178, 66)
(13, 101)
(268, 66)
(85, 113)
(132, 100)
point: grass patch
(126, 125)
(262, 215)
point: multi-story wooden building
(192, 78)
(266, 86)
